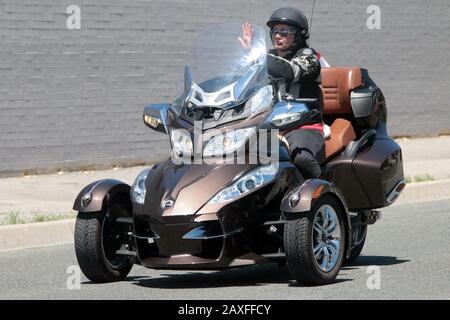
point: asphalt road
(410, 245)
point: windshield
(219, 73)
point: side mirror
(155, 117)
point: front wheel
(314, 242)
(97, 238)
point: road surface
(410, 245)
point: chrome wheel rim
(326, 238)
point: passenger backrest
(337, 83)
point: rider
(300, 66)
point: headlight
(252, 180)
(181, 142)
(138, 188)
(261, 100)
(228, 142)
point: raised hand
(247, 35)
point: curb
(43, 234)
(424, 191)
(39, 234)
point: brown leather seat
(337, 83)
(341, 134)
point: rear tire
(96, 244)
(359, 239)
(301, 238)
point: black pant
(307, 150)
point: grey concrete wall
(74, 98)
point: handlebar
(306, 100)
(290, 98)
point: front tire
(314, 242)
(97, 238)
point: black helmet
(293, 17)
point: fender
(308, 193)
(91, 198)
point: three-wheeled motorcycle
(217, 203)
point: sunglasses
(282, 32)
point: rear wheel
(359, 234)
(314, 242)
(98, 237)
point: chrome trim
(167, 203)
(210, 99)
(186, 236)
(394, 194)
(88, 195)
(144, 238)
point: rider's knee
(307, 164)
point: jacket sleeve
(308, 62)
(281, 68)
(305, 66)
